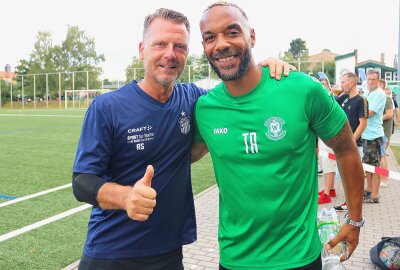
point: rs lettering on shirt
(250, 142)
(140, 146)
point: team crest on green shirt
(276, 128)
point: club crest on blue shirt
(184, 122)
(276, 128)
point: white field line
(44, 115)
(34, 195)
(41, 223)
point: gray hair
(374, 71)
(167, 14)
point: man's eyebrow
(234, 26)
(207, 33)
(229, 27)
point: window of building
(388, 76)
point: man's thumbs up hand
(141, 199)
(148, 176)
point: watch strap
(358, 224)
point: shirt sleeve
(389, 104)
(198, 91)
(325, 115)
(95, 143)
(362, 108)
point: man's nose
(221, 43)
(169, 51)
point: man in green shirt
(261, 136)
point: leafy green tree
(5, 92)
(202, 68)
(298, 48)
(79, 54)
(187, 74)
(75, 54)
(297, 52)
(198, 65)
(135, 70)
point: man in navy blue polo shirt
(133, 159)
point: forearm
(352, 175)
(371, 113)
(350, 168)
(360, 129)
(388, 115)
(357, 134)
(113, 196)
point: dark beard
(245, 58)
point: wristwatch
(358, 224)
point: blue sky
(372, 27)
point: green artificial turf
(37, 151)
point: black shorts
(169, 261)
(315, 265)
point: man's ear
(252, 37)
(141, 49)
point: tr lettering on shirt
(250, 141)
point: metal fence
(47, 90)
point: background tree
(135, 70)
(202, 69)
(76, 53)
(79, 54)
(297, 52)
(199, 69)
(187, 74)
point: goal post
(78, 99)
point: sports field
(42, 226)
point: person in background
(396, 119)
(328, 165)
(387, 119)
(372, 137)
(355, 107)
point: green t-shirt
(388, 124)
(262, 146)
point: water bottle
(328, 227)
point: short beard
(245, 59)
(167, 83)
